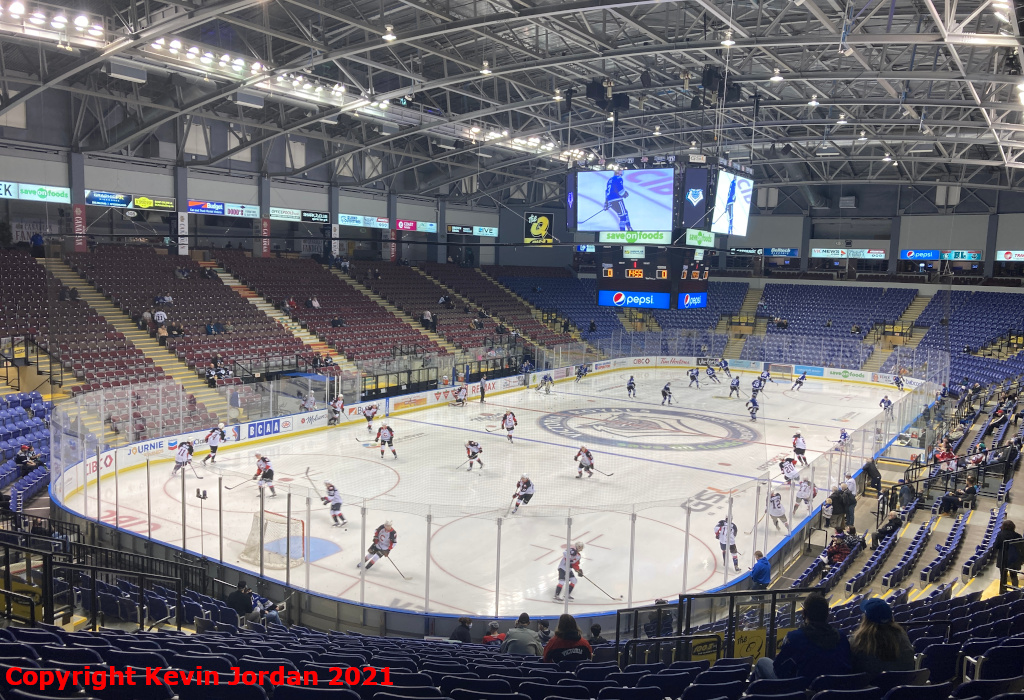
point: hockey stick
(461, 465)
(228, 488)
(194, 469)
(601, 472)
(758, 522)
(509, 509)
(407, 578)
(601, 589)
(599, 211)
(491, 431)
(315, 489)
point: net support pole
(288, 539)
(99, 509)
(768, 485)
(117, 505)
(632, 556)
(426, 584)
(729, 536)
(149, 504)
(497, 571)
(568, 563)
(263, 518)
(686, 547)
(220, 518)
(753, 542)
(362, 569)
(308, 535)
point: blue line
(614, 454)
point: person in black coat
(461, 633)
(1007, 532)
(874, 476)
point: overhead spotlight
(645, 79)
(848, 51)
(81, 22)
(207, 58)
(611, 116)
(193, 51)
(389, 33)
(558, 95)
(657, 130)
(728, 40)
(59, 22)
(863, 136)
(38, 17)
(887, 158)
(777, 77)
(841, 120)
(486, 70)
(813, 102)
(786, 149)
(1001, 16)
(474, 130)
(693, 145)
(158, 44)
(17, 9)
(256, 67)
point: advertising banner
(315, 217)
(108, 199)
(141, 201)
(198, 206)
(693, 300)
(633, 300)
(695, 200)
(828, 252)
(335, 242)
(488, 231)
(182, 230)
(1010, 256)
(265, 238)
(782, 252)
(702, 239)
(537, 229)
(78, 226)
(366, 221)
(43, 193)
(283, 214)
(242, 211)
(866, 254)
(8, 190)
(969, 255)
(848, 374)
(811, 371)
(635, 237)
(919, 255)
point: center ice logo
(649, 429)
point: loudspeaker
(595, 91)
(732, 93)
(620, 102)
(695, 103)
(645, 79)
(711, 78)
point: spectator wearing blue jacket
(761, 574)
(814, 647)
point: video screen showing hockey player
(732, 204)
(625, 200)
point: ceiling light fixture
(841, 120)
(59, 22)
(1001, 16)
(863, 136)
(37, 17)
(486, 70)
(207, 58)
(17, 9)
(813, 101)
(777, 77)
(158, 44)
(96, 30)
(389, 33)
(81, 22)
(728, 40)
(611, 116)
(887, 158)
(558, 95)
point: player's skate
(557, 597)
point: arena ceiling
(471, 95)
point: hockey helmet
(327, 483)
(578, 546)
(796, 434)
(388, 524)
(524, 477)
(220, 426)
(258, 455)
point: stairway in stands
(282, 318)
(537, 313)
(173, 367)
(908, 317)
(735, 345)
(378, 299)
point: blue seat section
(724, 299)
(574, 298)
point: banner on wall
(78, 226)
(968, 255)
(283, 214)
(919, 255)
(265, 238)
(182, 233)
(393, 237)
(537, 229)
(1010, 256)
(242, 211)
(335, 239)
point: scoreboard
(664, 278)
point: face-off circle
(649, 429)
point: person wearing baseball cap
(880, 643)
(813, 646)
(522, 640)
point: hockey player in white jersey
(214, 438)
(524, 492)
(309, 403)
(666, 393)
(182, 457)
(585, 461)
(799, 382)
(569, 566)
(694, 375)
(776, 510)
(790, 469)
(473, 450)
(800, 448)
(333, 498)
(726, 537)
(805, 494)
(384, 540)
(734, 387)
(368, 413)
(337, 407)
(509, 423)
(710, 371)
(386, 436)
(264, 474)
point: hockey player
(214, 438)
(734, 387)
(631, 387)
(182, 457)
(666, 393)
(753, 407)
(585, 461)
(265, 475)
(337, 407)
(898, 382)
(460, 396)
(727, 540)
(309, 403)
(615, 199)
(384, 540)
(799, 381)
(368, 413)
(546, 382)
(386, 436)
(509, 423)
(724, 366)
(790, 469)
(755, 387)
(710, 371)
(805, 493)
(844, 439)
(886, 405)
(694, 375)
(473, 450)
(334, 499)
(766, 377)
(570, 565)
(581, 372)
(800, 448)
(777, 511)
(524, 492)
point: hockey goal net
(284, 541)
(781, 371)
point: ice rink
(483, 561)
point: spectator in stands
(851, 483)
(880, 643)
(838, 508)
(426, 319)
(476, 324)
(345, 265)
(226, 327)
(216, 360)
(38, 246)
(836, 552)
(317, 361)
(161, 335)
(855, 329)
(522, 640)
(376, 273)
(544, 632)
(852, 538)
(337, 322)
(593, 326)
(568, 643)
(26, 459)
(814, 646)
(828, 323)
(461, 633)
(1007, 560)
(891, 526)
(315, 303)
(160, 317)
(210, 330)
(907, 493)
(145, 319)
(175, 329)
(434, 321)
(168, 300)
(850, 501)
(874, 476)
(565, 325)
(493, 636)
(309, 303)
(595, 636)
(329, 361)
(241, 602)
(761, 573)
(211, 374)
(73, 294)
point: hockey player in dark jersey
(615, 199)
